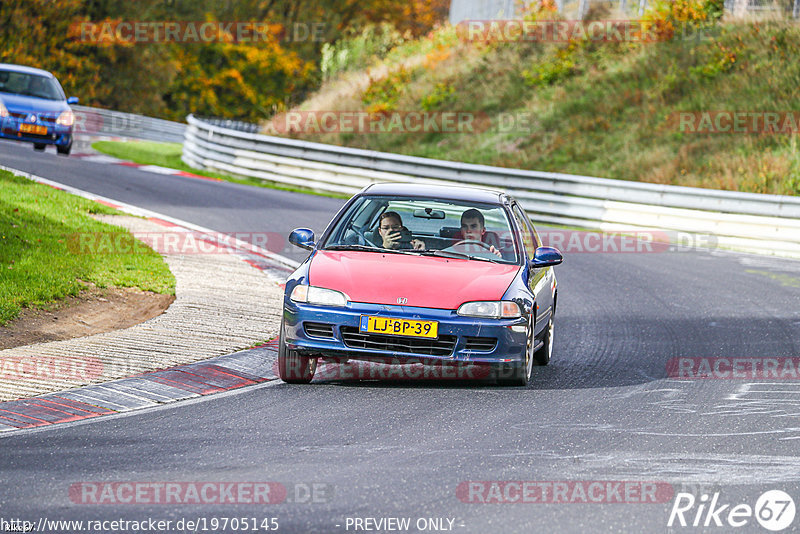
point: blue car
(422, 274)
(33, 108)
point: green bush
(359, 50)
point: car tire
(519, 374)
(39, 147)
(294, 368)
(64, 150)
(542, 356)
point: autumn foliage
(244, 80)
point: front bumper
(456, 340)
(56, 134)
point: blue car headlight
(319, 296)
(3, 110)
(67, 118)
(499, 309)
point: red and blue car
(33, 108)
(425, 274)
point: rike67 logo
(774, 510)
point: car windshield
(22, 83)
(425, 226)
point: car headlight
(3, 110)
(319, 296)
(500, 309)
(67, 118)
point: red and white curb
(157, 169)
(147, 390)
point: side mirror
(302, 237)
(546, 257)
(72, 100)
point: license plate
(36, 129)
(399, 327)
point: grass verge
(39, 265)
(169, 155)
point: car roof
(445, 192)
(24, 69)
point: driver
(473, 228)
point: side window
(528, 240)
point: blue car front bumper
(56, 134)
(334, 333)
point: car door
(540, 281)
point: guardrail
(97, 121)
(743, 221)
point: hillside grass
(598, 109)
(38, 260)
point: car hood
(426, 281)
(26, 104)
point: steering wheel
(360, 231)
(472, 242)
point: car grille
(318, 330)
(47, 119)
(480, 344)
(432, 347)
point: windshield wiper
(453, 254)
(351, 247)
(366, 248)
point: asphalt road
(603, 410)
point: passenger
(473, 228)
(391, 233)
(38, 87)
